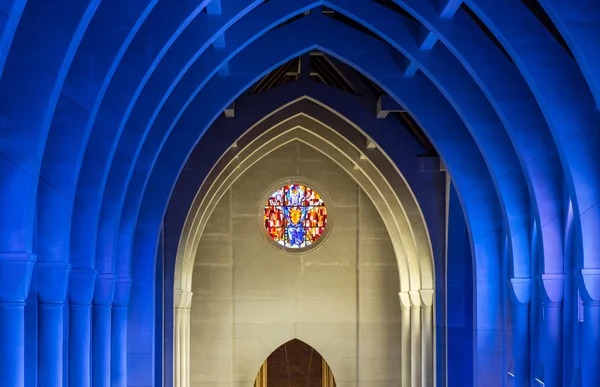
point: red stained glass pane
(316, 217)
(276, 233)
(312, 234)
(274, 217)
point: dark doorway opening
(295, 364)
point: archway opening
(342, 298)
(295, 364)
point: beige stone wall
(341, 298)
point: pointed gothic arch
(377, 176)
(301, 363)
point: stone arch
(412, 234)
(486, 227)
(372, 171)
(47, 67)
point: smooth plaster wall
(341, 298)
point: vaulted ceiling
(101, 102)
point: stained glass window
(295, 216)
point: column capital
(415, 299)
(182, 299)
(104, 291)
(81, 286)
(552, 288)
(15, 276)
(520, 291)
(589, 285)
(52, 281)
(404, 300)
(122, 291)
(426, 296)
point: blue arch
(479, 196)
(300, 97)
(507, 175)
(575, 127)
(27, 107)
(95, 94)
(582, 38)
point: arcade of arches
(332, 193)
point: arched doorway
(295, 364)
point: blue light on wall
(102, 102)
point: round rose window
(295, 216)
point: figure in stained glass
(295, 216)
(294, 195)
(295, 237)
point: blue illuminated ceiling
(101, 102)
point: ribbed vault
(102, 102)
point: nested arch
(423, 102)
(581, 38)
(476, 188)
(406, 156)
(42, 83)
(561, 83)
(475, 184)
(372, 170)
(406, 227)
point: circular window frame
(326, 201)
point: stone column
(118, 360)
(427, 371)
(552, 286)
(415, 337)
(520, 296)
(176, 348)
(50, 344)
(405, 366)
(101, 329)
(12, 350)
(181, 354)
(53, 279)
(186, 344)
(15, 278)
(590, 340)
(81, 292)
